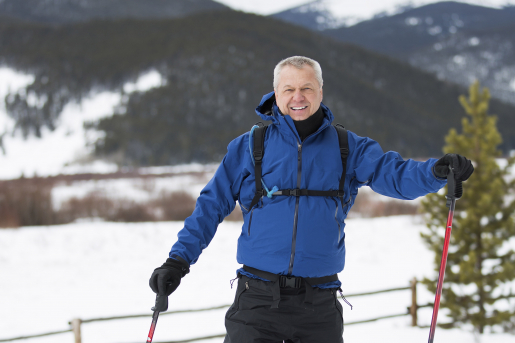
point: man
(292, 245)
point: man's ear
(321, 94)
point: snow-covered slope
(68, 148)
(50, 275)
(328, 14)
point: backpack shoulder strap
(257, 155)
(344, 152)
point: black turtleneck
(309, 125)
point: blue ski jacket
(300, 236)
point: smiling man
(298, 90)
(295, 182)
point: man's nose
(298, 96)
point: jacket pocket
(250, 219)
(337, 304)
(238, 296)
(258, 205)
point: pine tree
(480, 269)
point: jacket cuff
(178, 263)
(437, 177)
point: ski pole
(160, 306)
(454, 192)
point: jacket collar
(268, 110)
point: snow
(10, 81)
(53, 274)
(189, 178)
(140, 190)
(413, 21)
(60, 147)
(460, 60)
(434, 30)
(358, 10)
(474, 41)
(68, 148)
(145, 82)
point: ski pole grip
(454, 188)
(161, 303)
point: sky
(344, 8)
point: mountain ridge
(217, 66)
(455, 41)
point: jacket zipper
(296, 215)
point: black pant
(251, 320)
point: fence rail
(35, 336)
(76, 323)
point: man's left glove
(166, 279)
(462, 166)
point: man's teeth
(298, 108)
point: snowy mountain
(331, 14)
(325, 14)
(459, 42)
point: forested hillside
(72, 11)
(217, 66)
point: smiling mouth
(298, 108)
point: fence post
(413, 308)
(76, 329)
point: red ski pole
(454, 192)
(160, 306)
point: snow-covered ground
(50, 275)
(186, 178)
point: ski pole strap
(282, 281)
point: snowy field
(50, 275)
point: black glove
(462, 167)
(166, 279)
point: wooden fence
(75, 324)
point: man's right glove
(166, 279)
(462, 166)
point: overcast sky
(344, 8)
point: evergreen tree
(480, 269)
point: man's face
(298, 94)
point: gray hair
(298, 62)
